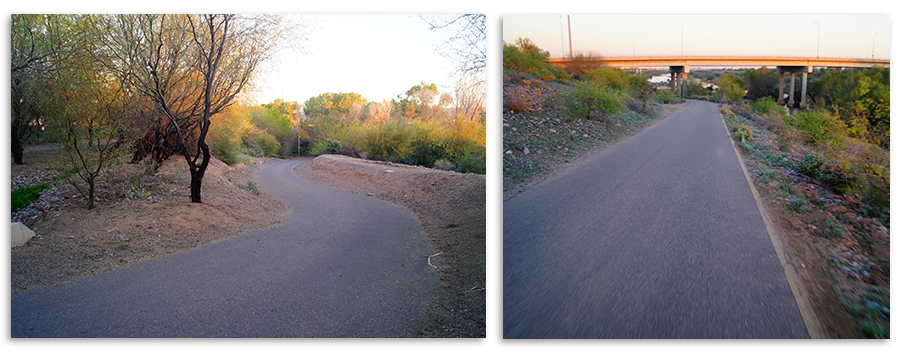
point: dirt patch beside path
(139, 217)
(450, 207)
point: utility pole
(562, 42)
(818, 36)
(570, 36)
(873, 44)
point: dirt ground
(451, 208)
(140, 217)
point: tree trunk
(197, 175)
(90, 193)
(17, 148)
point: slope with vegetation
(824, 174)
(552, 116)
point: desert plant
(333, 146)
(666, 96)
(820, 127)
(587, 98)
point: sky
(378, 56)
(776, 35)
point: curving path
(344, 265)
(658, 236)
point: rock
(837, 209)
(525, 150)
(20, 234)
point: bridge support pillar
(803, 91)
(678, 80)
(672, 82)
(793, 70)
(791, 95)
(781, 88)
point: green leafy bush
(607, 76)
(386, 142)
(225, 149)
(587, 98)
(334, 146)
(260, 143)
(820, 127)
(666, 96)
(766, 105)
(23, 196)
(471, 161)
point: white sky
(788, 35)
(378, 56)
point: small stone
(526, 151)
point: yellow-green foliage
(386, 142)
(744, 132)
(726, 112)
(820, 127)
(612, 77)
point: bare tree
(468, 44)
(191, 67)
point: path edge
(813, 325)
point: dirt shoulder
(451, 208)
(138, 217)
(841, 255)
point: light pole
(873, 44)
(818, 36)
(682, 39)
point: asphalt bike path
(658, 236)
(343, 265)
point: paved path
(342, 266)
(657, 236)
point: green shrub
(24, 196)
(666, 96)
(820, 127)
(471, 161)
(334, 146)
(260, 143)
(587, 97)
(607, 76)
(386, 142)
(766, 105)
(225, 149)
(527, 57)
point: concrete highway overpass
(682, 65)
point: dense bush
(766, 105)
(820, 127)
(527, 57)
(606, 76)
(587, 98)
(666, 96)
(388, 142)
